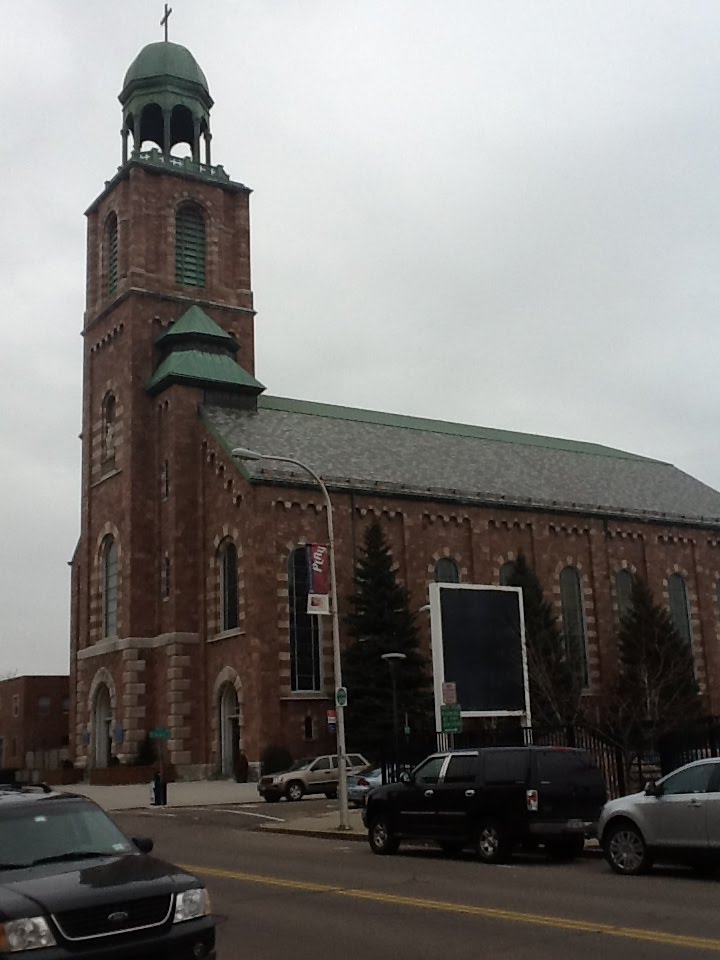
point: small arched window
(111, 241)
(304, 627)
(109, 587)
(623, 592)
(679, 608)
(573, 618)
(108, 430)
(228, 586)
(447, 571)
(190, 246)
(507, 572)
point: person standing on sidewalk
(241, 768)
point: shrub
(146, 754)
(274, 759)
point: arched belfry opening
(166, 102)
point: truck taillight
(532, 799)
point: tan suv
(311, 775)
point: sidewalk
(197, 793)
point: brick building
(189, 587)
(34, 720)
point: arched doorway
(229, 729)
(102, 718)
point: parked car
(360, 784)
(676, 818)
(493, 799)
(310, 775)
(72, 883)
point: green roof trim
(403, 422)
(202, 369)
(196, 323)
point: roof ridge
(409, 422)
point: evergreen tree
(656, 690)
(555, 687)
(381, 622)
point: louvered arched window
(111, 242)
(304, 627)
(623, 592)
(190, 246)
(447, 571)
(109, 587)
(679, 609)
(228, 587)
(573, 618)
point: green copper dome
(165, 59)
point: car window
(567, 766)
(62, 829)
(301, 764)
(429, 772)
(333, 762)
(692, 780)
(323, 763)
(505, 766)
(461, 769)
(356, 761)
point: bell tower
(168, 240)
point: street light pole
(242, 453)
(392, 660)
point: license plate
(575, 825)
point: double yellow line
(489, 913)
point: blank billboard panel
(478, 644)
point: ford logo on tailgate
(118, 917)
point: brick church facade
(189, 581)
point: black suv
(493, 798)
(73, 885)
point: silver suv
(676, 818)
(311, 775)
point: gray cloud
(501, 213)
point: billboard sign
(478, 642)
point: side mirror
(144, 844)
(405, 777)
(653, 789)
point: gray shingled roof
(369, 451)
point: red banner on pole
(319, 561)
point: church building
(190, 577)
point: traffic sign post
(159, 786)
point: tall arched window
(623, 592)
(507, 572)
(679, 609)
(228, 586)
(109, 587)
(447, 571)
(304, 627)
(573, 616)
(190, 246)
(108, 430)
(111, 241)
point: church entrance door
(102, 719)
(229, 725)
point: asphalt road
(278, 897)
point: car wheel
(381, 838)
(625, 849)
(295, 790)
(490, 842)
(331, 794)
(565, 848)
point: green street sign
(160, 733)
(451, 718)
(341, 697)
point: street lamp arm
(242, 453)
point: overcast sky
(502, 213)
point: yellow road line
(491, 913)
